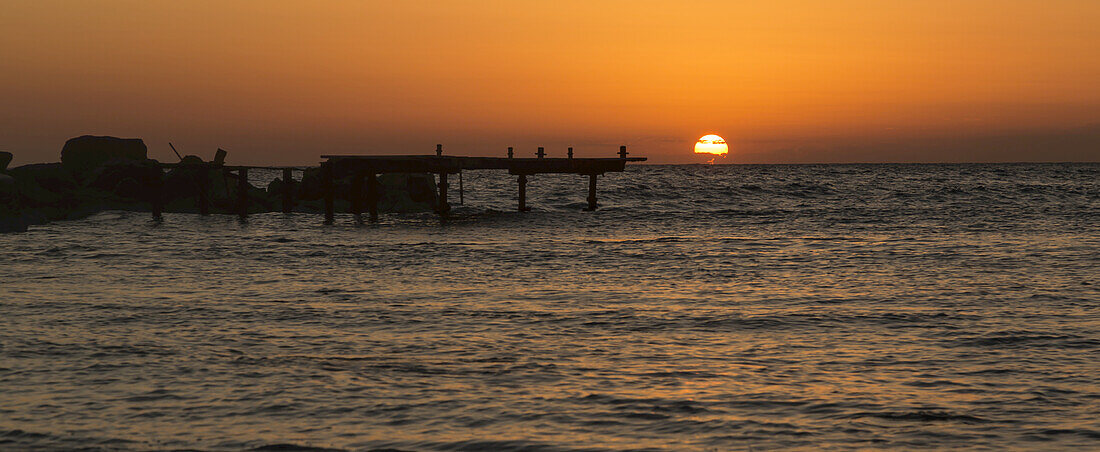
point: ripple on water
(705, 308)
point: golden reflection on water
(799, 324)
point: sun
(711, 144)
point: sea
(710, 308)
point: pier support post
(444, 207)
(288, 190)
(242, 192)
(372, 196)
(330, 192)
(356, 196)
(523, 193)
(591, 192)
(461, 192)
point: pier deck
(454, 165)
(366, 168)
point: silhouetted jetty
(100, 173)
(364, 171)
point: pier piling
(591, 192)
(444, 207)
(330, 192)
(523, 193)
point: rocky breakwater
(99, 173)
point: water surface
(701, 308)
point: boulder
(407, 193)
(7, 193)
(275, 187)
(185, 182)
(52, 177)
(310, 187)
(143, 176)
(5, 159)
(83, 154)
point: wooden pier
(365, 169)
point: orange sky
(281, 82)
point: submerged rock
(86, 153)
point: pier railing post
(523, 193)
(356, 196)
(288, 190)
(591, 192)
(372, 196)
(242, 192)
(444, 207)
(330, 192)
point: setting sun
(711, 144)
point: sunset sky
(281, 82)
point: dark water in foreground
(703, 308)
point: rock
(310, 186)
(184, 182)
(407, 193)
(421, 188)
(5, 159)
(142, 174)
(275, 187)
(130, 188)
(7, 194)
(83, 154)
(48, 177)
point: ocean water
(701, 308)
